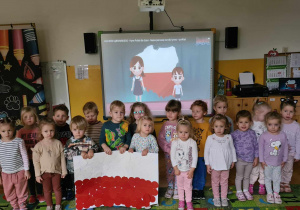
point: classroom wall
(263, 25)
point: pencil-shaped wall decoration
(4, 43)
(25, 84)
(38, 81)
(31, 43)
(24, 100)
(44, 113)
(38, 98)
(18, 45)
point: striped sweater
(13, 156)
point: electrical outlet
(284, 49)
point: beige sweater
(49, 158)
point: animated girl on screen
(137, 72)
(177, 78)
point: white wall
(263, 24)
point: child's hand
(208, 168)
(255, 162)
(177, 172)
(108, 151)
(191, 173)
(282, 164)
(84, 155)
(39, 179)
(145, 152)
(63, 176)
(90, 154)
(130, 150)
(27, 175)
(263, 164)
(123, 149)
(232, 165)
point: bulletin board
(280, 65)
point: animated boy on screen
(177, 78)
(137, 72)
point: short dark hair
(61, 107)
(243, 113)
(174, 106)
(200, 103)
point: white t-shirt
(177, 89)
(259, 127)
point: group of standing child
(264, 147)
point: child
(14, 164)
(49, 163)
(184, 156)
(246, 148)
(115, 134)
(62, 128)
(79, 144)
(166, 134)
(29, 134)
(143, 141)
(220, 104)
(201, 132)
(273, 153)
(219, 156)
(259, 110)
(137, 72)
(177, 78)
(138, 110)
(292, 130)
(93, 130)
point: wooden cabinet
(237, 104)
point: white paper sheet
(276, 61)
(246, 78)
(295, 60)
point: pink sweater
(166, 134)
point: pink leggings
(184, 185)
(217, 178)
(15, 189)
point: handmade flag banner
(128, 179)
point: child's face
(172, 115)
(146, 127)
(177, 78)
(60, 117)
(221, 108)
(259, 115)
(77, 133)
(219, 127)
(48, 131)
(137, 69)
(6, 132)
(29, 119)
(197, 112)
(288, 113)
(117, 114)
(91, 117)
(138, 112)
(244, 123)
(273, 126)
(183, 132)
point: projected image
(155, 68)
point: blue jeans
(199, 175)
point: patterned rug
(291, 201)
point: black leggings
(32, 184)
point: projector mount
(151, 5)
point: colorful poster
(19, 72)
(127, 179)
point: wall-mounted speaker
(90, 43)
(231, 37)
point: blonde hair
(147, 111)
(218, 99)
(184, 122)
(79, 121)
(90, 107)
(260, 104)
(272, 116)
(219, 117)
(29, 109)
(43, 122)
(140, 122)
(117, 103)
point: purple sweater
(245, 144)
(273, 149)
(166, 134)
